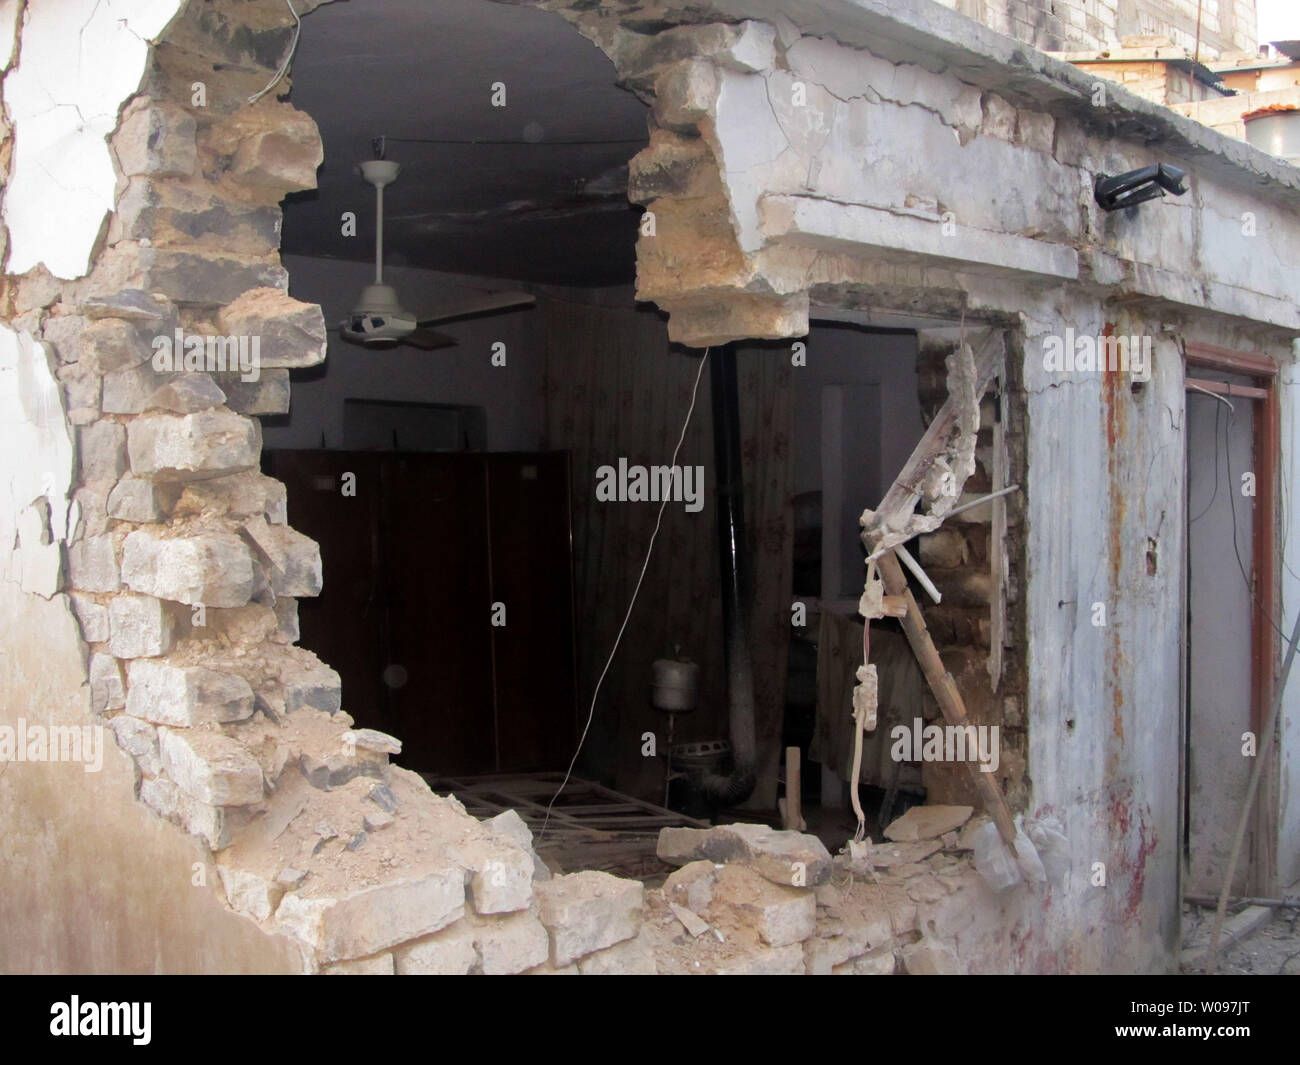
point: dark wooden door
(440, 635)
(528, 503)
(415, 556)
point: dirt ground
(1271, 950)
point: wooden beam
(945, 691)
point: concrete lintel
(939, 39)
(854, 227)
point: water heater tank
(674, 685)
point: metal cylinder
(1275, 132)
(674, 685)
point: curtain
(615, 389)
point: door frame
(1264, 392)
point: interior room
(481, 440)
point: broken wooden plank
(900, 501)
(945, 691)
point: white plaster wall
(1104, 474)
(78, 62)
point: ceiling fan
(380, 321)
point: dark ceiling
(531, 204)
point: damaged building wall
(859, 198)
(833, 167)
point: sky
(1279, 20)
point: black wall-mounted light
(1138, 186)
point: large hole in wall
(475, 495)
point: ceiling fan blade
(471, 305)
(429, 340)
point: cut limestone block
(587, 911)
(203, 444)
(210, 767)
(927, 822)
(140, 740)
(293, 559)
(213, 824)
(508, 945)
(291, 333)
(249, 893)
(930, 958)
(379, 965)
(140, 626)
(215, 568)
(449, 953)
(768, 961)
(780, 915)
(92, 565)
(787, 858)
(691, 886)
(632, 957)
(376, 918)
(92, 616)
(185, 696)
(107, 692)
(136, 499)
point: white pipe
(917, 572)
(379, 234)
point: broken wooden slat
(945, 691)
(900, 500)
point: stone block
(292, 333)
(252, 895)
(92, 616)
(269, 394)
(132, 304)
(112, 344)
(767, 961)
(82, 390)
(238, 495)
(186, 394)
(782, 857)
(206, 280)
(278, 147)
(927, 822)
(206, 443)
(930, 958)
(107, 692)
(587, 911)
(293, 559)
(210, 823)
(140, 626)
(632, 957)
(691, 886)
(286, 616)
(780, 915)
(877, 963)
(129, 391)
(212, 768)
(155, 139)
(449, 953)
(92, 565)
(508, 945)
(314, 685)
(502, 880)
(139, 500)
(377, 918)
(140, 740)
(215, 568)
(379, 965)
(184, 696)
